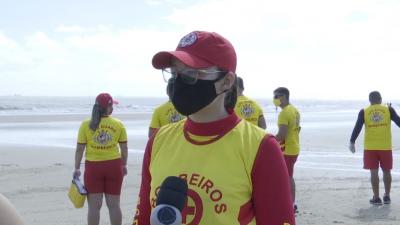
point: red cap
(200, 49)
(105, 99)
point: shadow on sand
(375, 213)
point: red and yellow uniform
(103, 166)
(235, 173)
(102, 144)
(248, 109)
(377, 137)
(290, 117)
(165, 114)
(378, 129)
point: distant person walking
(288, 133)
(377, 143)
(165, 113)
(247, 108)
(105, 140)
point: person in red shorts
(288, 134)
(105, 141)
(377, 143)
(234, 170)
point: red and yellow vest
(217, 188)
(378, 130)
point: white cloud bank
(84, 64)
(318, 49)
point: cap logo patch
(188, 40)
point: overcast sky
(319, 49)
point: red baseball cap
(105, 99)
(200, 49)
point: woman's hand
(76, 173)
(125, 170)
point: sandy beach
(36, 180)
(36, 177)
(331, 186)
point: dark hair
(375, 97)
(231, 96)
(240, 83)
(282, 91)
(170, 87)
(97, 113)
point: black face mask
(190, 98)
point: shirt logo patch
(102, 137)
(188, 40)
(376, 117)
(175, 117)
(247, 111)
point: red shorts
(290, 160)
(104, 176)
(374, 158)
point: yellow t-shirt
(165, 114)
(102, 144)
(248, 109)
(217, 196)
(290, 117)
(378, 133)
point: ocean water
(11, 105)
(317, 116)
(326, 127)
(26, 105)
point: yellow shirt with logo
(290, 117)
(248, 109)
(217, 193)
(165, 114)
(378, 134)
(102, 144)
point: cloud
(80, 29)
(312, 46)
(163, 2)
(106, 59)
(12, 55)
(6, 42)
(70, 29)
(153, 2)
(319, 49)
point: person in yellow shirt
(234, 171)
(288, 133)
(247, 108)
(377, 143)
(105, 141)
(165, 113)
